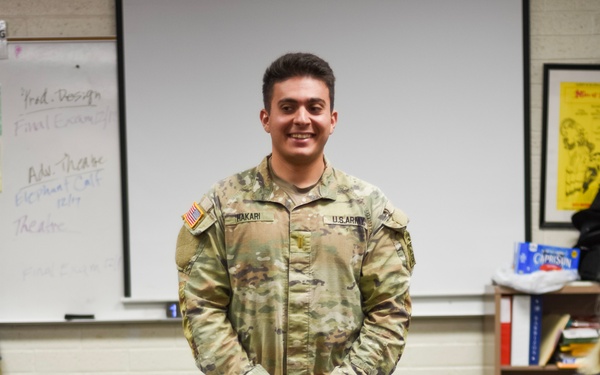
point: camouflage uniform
(321, 287)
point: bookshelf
(579, 298)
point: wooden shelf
(572, 288)
(537, 370)
(576, 298)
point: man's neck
(299, 175)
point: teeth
(301, 136)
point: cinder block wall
(561, 31)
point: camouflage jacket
(270, 287)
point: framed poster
(570, 142)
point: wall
(562, 31)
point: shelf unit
(578, 298)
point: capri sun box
(530, 257)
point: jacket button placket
(300, 276)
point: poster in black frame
(570, 142)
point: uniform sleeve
(204, 295)
(590, 364)
(384, 285)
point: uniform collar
(265, 188)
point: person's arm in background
(590, 364)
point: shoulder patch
(194, 215)
(199, 216)
(396, 219)
(400, 217)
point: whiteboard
(61, 243)
(431, 110)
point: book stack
(576, 342)
(529, 338)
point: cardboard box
(530, 257)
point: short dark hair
(297, 64)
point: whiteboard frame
(458, 295)
(106, 310)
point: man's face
(300, 120)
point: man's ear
(264, 120)
(334, 118)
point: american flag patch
(194, 215)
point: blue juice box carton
(530, 257)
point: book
(531, 257)
(584, 321)
(505, 327)
(567, 361)
(552, 327)
(535, 329)
(521, 322)
(526, 329)
(578, 349)
(579, 335)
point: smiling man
(299, 117)
(294, 267)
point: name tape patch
(345, 220)
(246, 217)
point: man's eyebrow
(311, 100)
(317, 100)
(287, 100)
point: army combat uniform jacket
(267, 286)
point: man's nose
(302, 116)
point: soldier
(295, 267)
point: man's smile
(301, 135)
